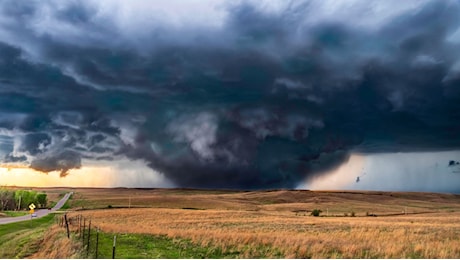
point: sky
(231, 94)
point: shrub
(42, 200)
(316, 212)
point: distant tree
(41, 200)
(18, 195)
(21, 199)
(3, 199)
(316, 212)
(24, 198)
(7, 200)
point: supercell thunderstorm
(248, 94)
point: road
(40, 213)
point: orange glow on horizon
(14, 166)
(119, 173)
(24, 176)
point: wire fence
(96, 244)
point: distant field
(332, 202)
(271, 224)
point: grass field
(13, 213)
(332, 202)
(36, 238)
(22, 239)
(134, 245)
(273, 224)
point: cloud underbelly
(267, 96)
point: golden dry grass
(337, 202)
(273, 221)
(428, 236)
(56, 245)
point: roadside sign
(32, 206)
(31, 211)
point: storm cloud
(223, 94)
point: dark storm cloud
(11, 158)
(35, 143)
(61, 161)
(264, 101)
(56, 121)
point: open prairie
(278, 223)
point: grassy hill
(188, 223)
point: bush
(316, 212)
(42, 200)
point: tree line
(21, 199)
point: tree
(6, 200)
(21, 199)
(24, 198)
(41, 200)
(316, 212)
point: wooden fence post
(67, 226)
(97, 241)
(83, 231)
(89, 237)
(114, 245)
(79, 226)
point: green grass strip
(22, 239)
(15, 213)
(151, 247)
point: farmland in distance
(278, 223)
